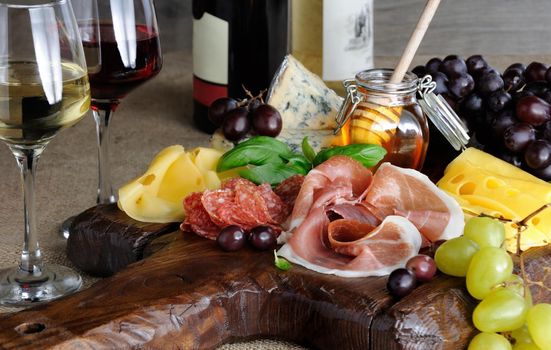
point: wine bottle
(333, 38)
(237, 44)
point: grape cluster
(239, 118)
(508, 114)
(232, 238)
(506, 305)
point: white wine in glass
(43, 89)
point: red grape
(441, 81)
(472, 104)
(499, 100)
(489, 82)
(231, 238)
(461, 85)
(517, 137)
(219, 108)
(267, 121)
(537, 87)
(535, 71)
(254, 104)
(401, 282)
(263, 238)
(433, 64)
(236, 124)
(422, 266)
(533, 110)
(511, 158)
(538, 154)
(450, 57)
(420, 71)
(453, 67)
(520, 66)
(513, 79)
(475, 63)
(502, 121)
(546, 131)
(543, 173)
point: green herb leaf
(298, 160)
(273, 174)
(258, 150)
(281, 263)
(307, 149)
(368, 155)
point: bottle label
(210, 58)
(347, 38)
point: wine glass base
(65, 228)
(56, 281)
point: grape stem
(522, 225)
(251, 96)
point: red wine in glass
(113, 80)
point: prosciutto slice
(335, 181)
(408, 193)
(349, 248)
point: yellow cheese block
(157, 195)
(482, 183)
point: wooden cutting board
(188, 294)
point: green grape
(521, 335)
(485, 231)
(489, 341)
(514, 283)
(526, 346)
(501, 311)
(539, 325)
(453, 256)
(489, 267)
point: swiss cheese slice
(484, 184)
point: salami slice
(277, 208)
(252, 204)
(288, 190)
(197, 218)
(231, 184)
(215, 201)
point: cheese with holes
(157, 195)
(302, 98)
(482, 183)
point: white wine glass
(43, 89)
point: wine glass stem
(105, 189)
(27, 158)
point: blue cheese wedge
(302, 98)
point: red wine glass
(121, 42)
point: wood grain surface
(191, 295)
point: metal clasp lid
(442, 115)
(352, 98)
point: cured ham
(353, 249)
(349, 223)
(408, 193)
(337, 179)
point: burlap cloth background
(156, 115)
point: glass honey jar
(376, 111)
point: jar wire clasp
(349, 105)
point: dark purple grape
(472, 104)
(538, 154)
(533, 110)
(535, 72)
(520, 94)
(441, 81)
(546, 131)
(520, 66)
(422, 266)
(511, 158)
(475, 63)
(231, 238)
(536, 87)
(236, 124)
(486, 70)
(219, 108)
(461, 85)
(453, 68)
(450, 57)
(263, 238)
(451, 101)
(546, 96)
(401, 282)
(499, 100)
(548, 75)
(543, 173)
(517, 137)
(267, 121)
(433, 64)
(488, 83)
(254, 104)
(513, 79)
(420, 71)
(502, 121)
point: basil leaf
(298, 160)
(367, 155)
(281, 263)
(258, 150)
(307, 149)
(273, 174)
